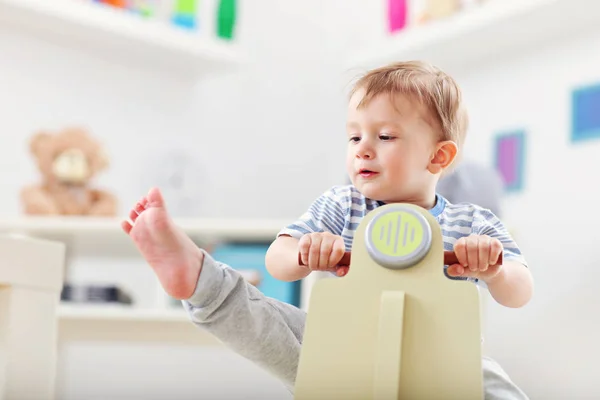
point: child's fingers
(495, 251)
(337, 251)
(460, 249)
(455, 270)
(472, 254)
(303, 248)
(314, 252)
(342, 271)
(325, 253)
(484, 253)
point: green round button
(398, 237)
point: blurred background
(236, 109)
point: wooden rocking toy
(395, 327)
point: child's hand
(322, 251)
(477, 257)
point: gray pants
(497, 384)
(269, 332)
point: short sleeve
(486, 223)
(326, 214)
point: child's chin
(371, 191)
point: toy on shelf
(67, 161)
(433, 10)
(114, 3)
(226, 19)
(397, 15)
(182, 13)
(146, 8)
(97, 294)
(185, 13)
(438, 9)
(395, 327)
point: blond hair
(435, 89)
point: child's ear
(443, 156)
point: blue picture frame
(585, 113)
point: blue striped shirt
(341, 209)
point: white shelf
(203, 229)
(481, 34)
(82, 322)
(116, 313)
(118, 35)
(105, 236)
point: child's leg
(261, 329)
(218, 298)
(497, 384)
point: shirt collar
(440, 204)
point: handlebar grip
(449, 259)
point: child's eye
(385, 137)
(355, 139)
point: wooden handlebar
(449, 259)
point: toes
(126, 226)
(139, 208)
(141, 204)
(133, 215)
(155, 198)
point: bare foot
(174, 257)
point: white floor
(133, 371)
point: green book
(186, 7)
(226, 15)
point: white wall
(266, 139)
(266, 129)
(550, 346)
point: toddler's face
(390, 146)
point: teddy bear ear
(102, 161)
(39, 142)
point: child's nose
(364, 151)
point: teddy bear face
(69, 157)
(71, 167)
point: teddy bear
(67, 161)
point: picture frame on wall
(509, 159)
(585, 113)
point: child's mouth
(365, 173)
